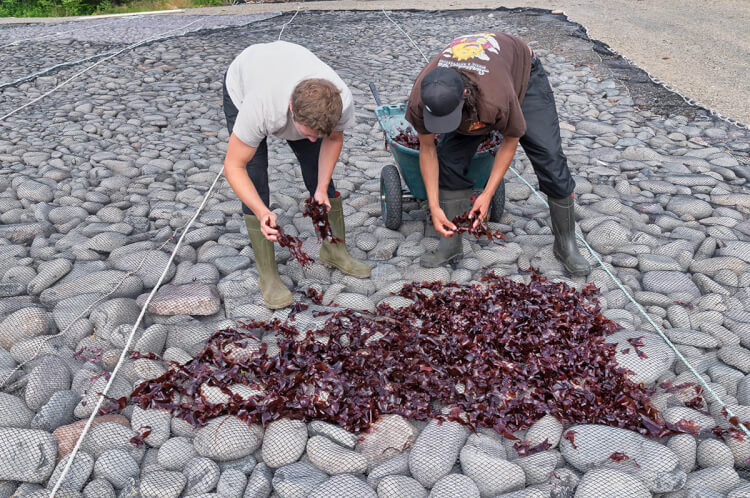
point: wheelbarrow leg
(450, 249)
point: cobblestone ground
(95, 177)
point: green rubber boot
(336, 254)
(564, 228)
(274, 292)
(450, 249)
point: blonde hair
(316, 103)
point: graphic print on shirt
(463, 48)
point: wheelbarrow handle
(375, 93)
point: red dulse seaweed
(571, 436)
(465, 224)
(319, 214)
(518, 352)
(294, 245)
(618, 456)
(409, 139)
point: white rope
(52, 68)
(16, 42)
(79, 73)
(126, 348)
(290, 20)
(407, 35)
(124, 353)
(580, 237)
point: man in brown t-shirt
(479, 83)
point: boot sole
(328, 264)
(279, 305)
(449, 261)
(575, 273)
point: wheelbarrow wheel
(497, 205)
(390, 196)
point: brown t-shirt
(499, 64)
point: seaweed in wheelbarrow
(408, 138)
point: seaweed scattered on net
(499, 355)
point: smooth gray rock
(396, 486)
(455, 486)
(333, 432)
(116, 466)
(396, 466)
(720, 479)
(344, 486)
(435, 451)
(259, 482)
(162, 484)
(489, 469)
(227, 438)
(231, 483)
(28, 455)
(157, 420)
(99, 488)
(659, 360)
(610, 483)
(77, 475)
(659, 467)
(284, 442)
(202, 475)
(334, 459)
(49, 376)
(175, 453)
(297, 480)
(14, 412)
(23, 324)
(714, 453)
(670, 283)
(56, 412)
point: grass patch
(62, 8)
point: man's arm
(238, 155)
(500, 165)
(330, 150)
(428, 166)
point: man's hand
(322, 197)
(480, 208)
(267, 221)
(443, 225)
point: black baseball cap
(442, 92)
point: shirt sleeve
(348, 119)
(511, 122)
(249, 127)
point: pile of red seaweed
(409, 139)
(498, 355)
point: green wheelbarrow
(392, 194)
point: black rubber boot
(450, 249)
(564, 228)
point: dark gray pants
(541, 143)
(307, 153)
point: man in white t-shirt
(283, 89)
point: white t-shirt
(260, 82)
